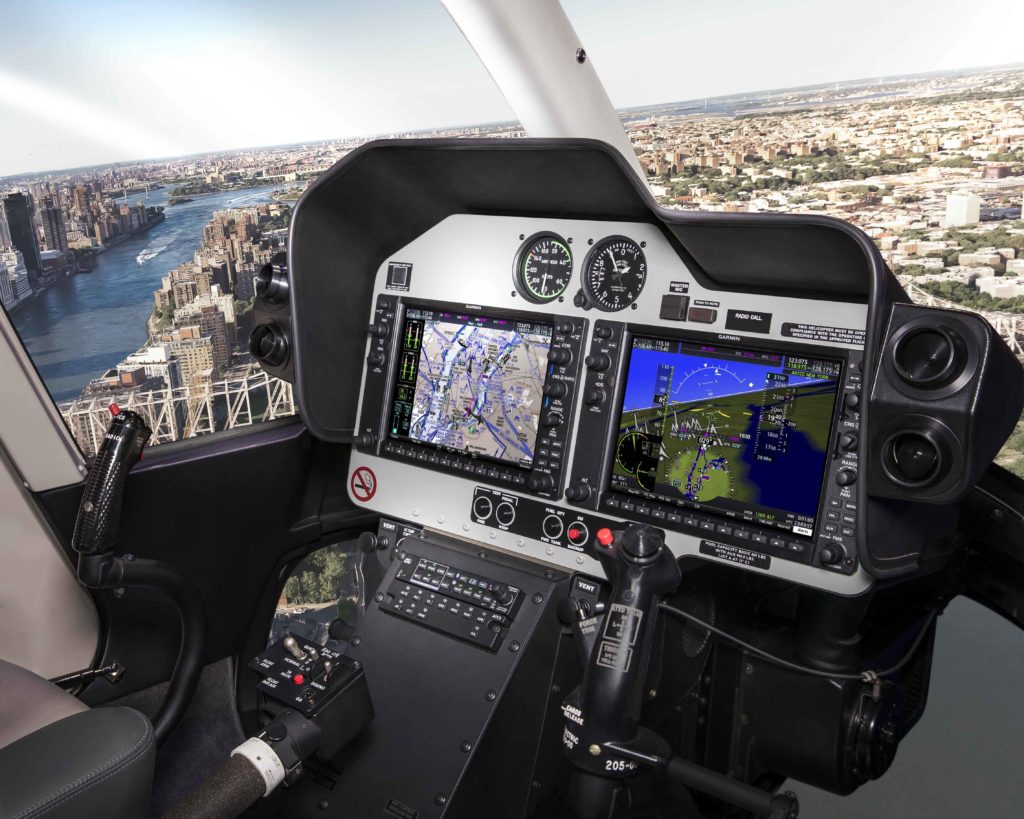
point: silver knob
(291, 645)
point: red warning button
(605, 537)
(298, 679)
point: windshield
(151, 160)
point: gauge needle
(543, 283)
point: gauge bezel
(599, 247)
(518, 274)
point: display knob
(564, 328)
(598, 362)
(378, 329)
(552, 419)
(848, 441)
(602, 331)
(375, 359)
(830, 555)
(555, 389)
(853, 400)
(595, 397)
(846, 477)
(559, 355)
(502, 594)
(577, 493)
(541, 483)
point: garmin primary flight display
(471, 383)
(739, 431)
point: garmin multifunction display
(471, 383)
(737, 431)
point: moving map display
(471, 384)
(744, 432)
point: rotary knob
(598, 362)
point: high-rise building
(5, 232)
(23, 234)
(55, 235)
(963, 208)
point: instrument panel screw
(997, 515)
(466, 746)
(491, 695)
(323, 804)
(119, 592)
(514, 646)
(595, 750)
(440, 799)
(356, 640)
(522, 236)
(581, 56)
(378, 597)
(749, 668)
(538, 598)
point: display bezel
(474, 311)
(736, 342)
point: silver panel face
(469, 259)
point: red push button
(605, 537)
(298, 679)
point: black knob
(580, 299)
(502, 594)
(848, 441)
(595, 397)
(552, 419)
(578, 492)
(846, 477)
(831, 554)
(853, 400)
(571, 610)
(555, 389)
(541, 483)
(598, 362)
(375, 359)
(602, 331)
(367, 542)
(564, 328)
(642, 541)
(378, 329)
(559, 355)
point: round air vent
(272, 283)
(913, 457)
(929, 357)
(269, 344)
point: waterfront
(86, 324)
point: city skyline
(120, 85)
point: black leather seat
(61, 760)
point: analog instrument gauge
(614, 273)
(543, 267)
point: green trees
(319, 578)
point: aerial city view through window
(133, 282)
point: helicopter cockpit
(653, 511)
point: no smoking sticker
(363, 484)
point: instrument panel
(530, 381)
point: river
(86, 324)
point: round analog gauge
(614, 273)
(543, 267)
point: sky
(87, 83)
